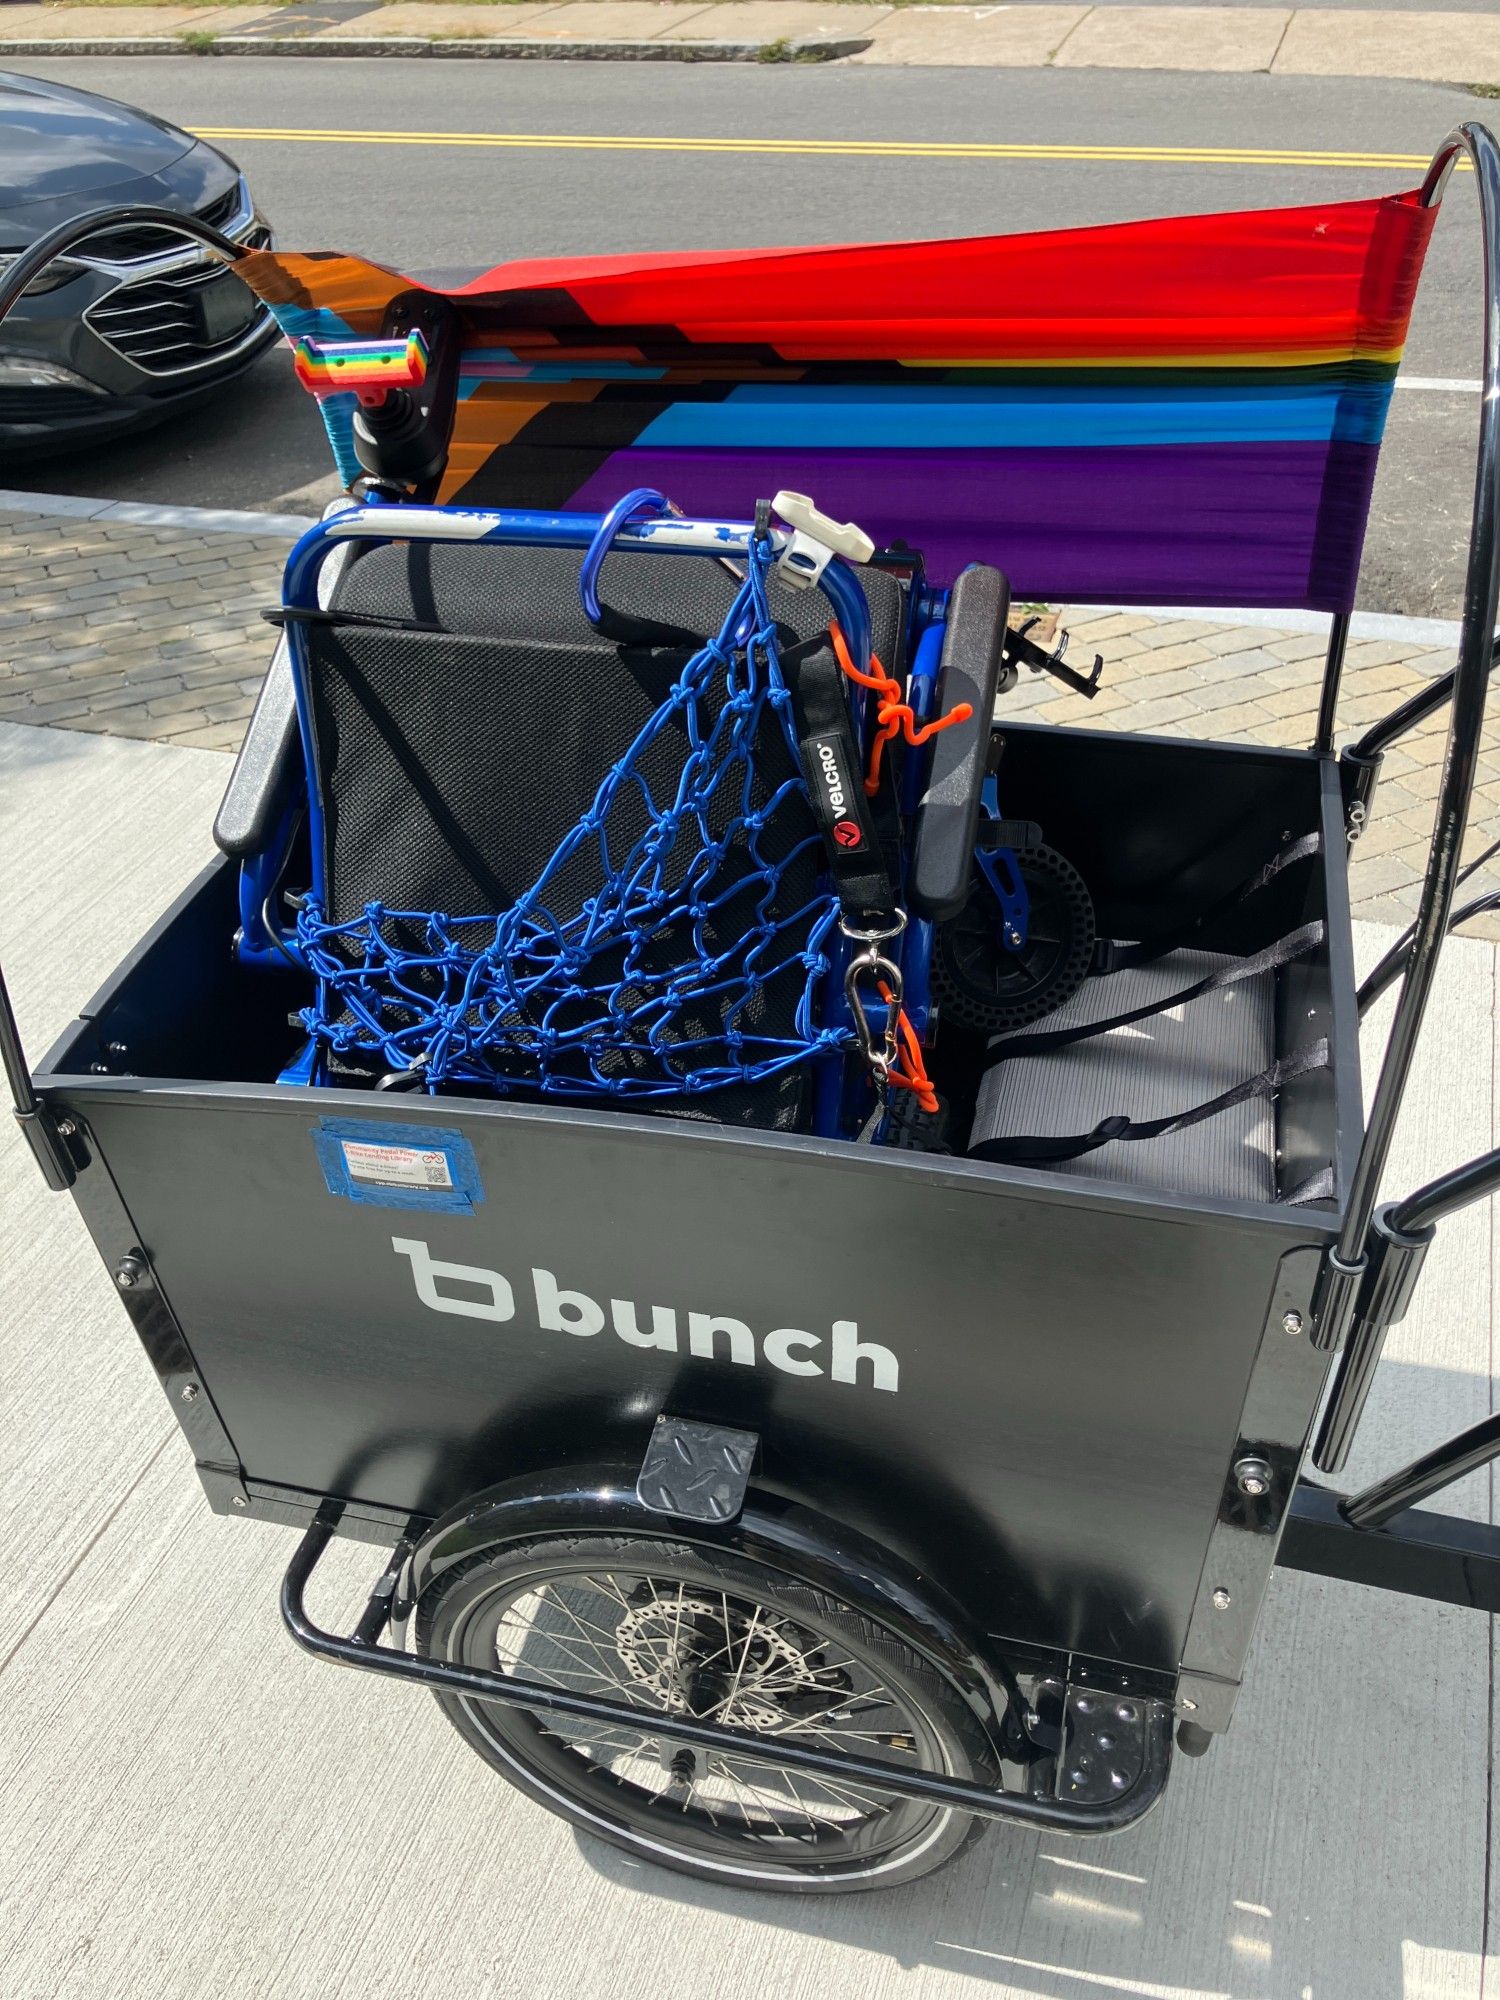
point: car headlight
(49, 278)
(19, 371)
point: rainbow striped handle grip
(360, 365)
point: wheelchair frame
(1323, 1287)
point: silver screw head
(1253, 1477)
(1221, 1599)
(67, 1128)
(1188, 1706)
(239, 1500)
(190, 1392)
(1291, 1322)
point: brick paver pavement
(155, 632)
(134, 631)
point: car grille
(154, 321)
(126, 246)
(45, 406)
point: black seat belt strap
(1111, 956)
(1033, 1150)
(1296, 944)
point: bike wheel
(981, 984)
(668, 1627)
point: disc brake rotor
(689, 1652)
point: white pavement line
(140, 514)
(1427, 633)
(1443, 385)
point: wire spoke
(653, 1641)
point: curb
(141, 514)
(810, 51)
(1427, 632)
(1391, 625)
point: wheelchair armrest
(947, 821)
(267, 768)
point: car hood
(60, 147)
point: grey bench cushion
(1157, 1067)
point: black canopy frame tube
(1333, 674)
(1348, 1265)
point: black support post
(1339, 1300)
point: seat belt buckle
(816, 539)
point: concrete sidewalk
(195, 1811)
(1430, 45)
(118, 626)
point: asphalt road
(437, 206)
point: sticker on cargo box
(398, 1166)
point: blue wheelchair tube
(520, 529)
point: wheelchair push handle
(667, 534)
(371, 369)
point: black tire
(980, 984)
(796, 1654)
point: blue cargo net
(652, 983)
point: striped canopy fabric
(1184, 411)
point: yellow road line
(884, 149)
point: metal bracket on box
(109, 1223)
(1260, 1477)
(1104, 1746)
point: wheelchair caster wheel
(982, 985)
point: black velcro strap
(1035, 1151)
(1032, 1150)
(290, 614)
(1111, 956)
(1317, 1187)
(835, 783)
(1296, 944)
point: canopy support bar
(1348, 1264)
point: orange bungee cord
(893, 713)
(894, 716)
(909, 1069)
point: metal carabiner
(874, 965)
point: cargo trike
(829, 1232)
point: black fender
(776, 1532)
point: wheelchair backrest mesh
(451, 763)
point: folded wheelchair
(813, 1217)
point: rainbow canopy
(1183, 411)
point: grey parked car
(133, 323)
